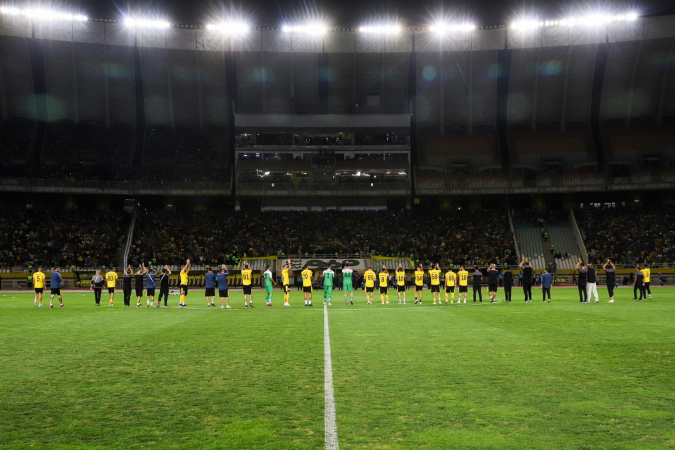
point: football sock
(386, 297)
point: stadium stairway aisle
(529, 244)
(562, 236)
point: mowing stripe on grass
(331, 436)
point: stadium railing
(103, 187)
(380, 188)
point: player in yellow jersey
(419, 283)
(463, 277)
(384, 284)
(286, 282)
(648, 279)
(307, 276)
(450, 283)
(435, 279)
(246, 279)
(39, 285)
(370, 284)
(111, 282)
(183, 277)
(400, 283)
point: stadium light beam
(229, 27)
(381, 29)
(589, 20)
(146, 23)
(315, 29)
(443, 28)
(42, 14)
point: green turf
(559, 375)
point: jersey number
(111, 278)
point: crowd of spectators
(452, 238)
(56, 237)
(69, 143)
(628, 234)
(251, 139)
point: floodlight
(381, 29)
(442, 28)
(10, 10)
(524, 25)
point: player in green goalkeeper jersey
(347, 285)
(328, 276)
(269, 285)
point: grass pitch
(558, 375)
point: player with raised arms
(151, 285)
(184, 283)
(463, 276)
(419, 283)
(450, 283)
(347, 285)
(223, 291)
(140, 275)
(210, 287)
(307, 284)
(400, 283)
(384, 281)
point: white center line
(331, 435)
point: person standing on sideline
(610, 271)
(419, 283)
(210, 287)
(661, 279)
(164, 287)
(151, 274)
(450, 283)
(546, 282)
(508, 285)
(526, 273)
(400, 283)
(139, 277)
(591, 284)
(268, 281)
(463, 277)
(97, 286)
(435, 280)
(646, 271)
(246, 279)
(183, 277)
(493, 282)
(581, 282)
(223, 291)
(111, 282)
(328, 278)
(639, 284)
(286, 281)
(477, 280)
(307, 284)
(126, 285)
(39, 286)
(347, 285)
(56, 281)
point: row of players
(587, 284)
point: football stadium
(337, 232)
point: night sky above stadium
(353, 13)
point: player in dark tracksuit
(526, 268)
(126, 285)
(610, 272)
(508, 285)
(477, 279)
(583, 272)
(164, 287)
(639, 285)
